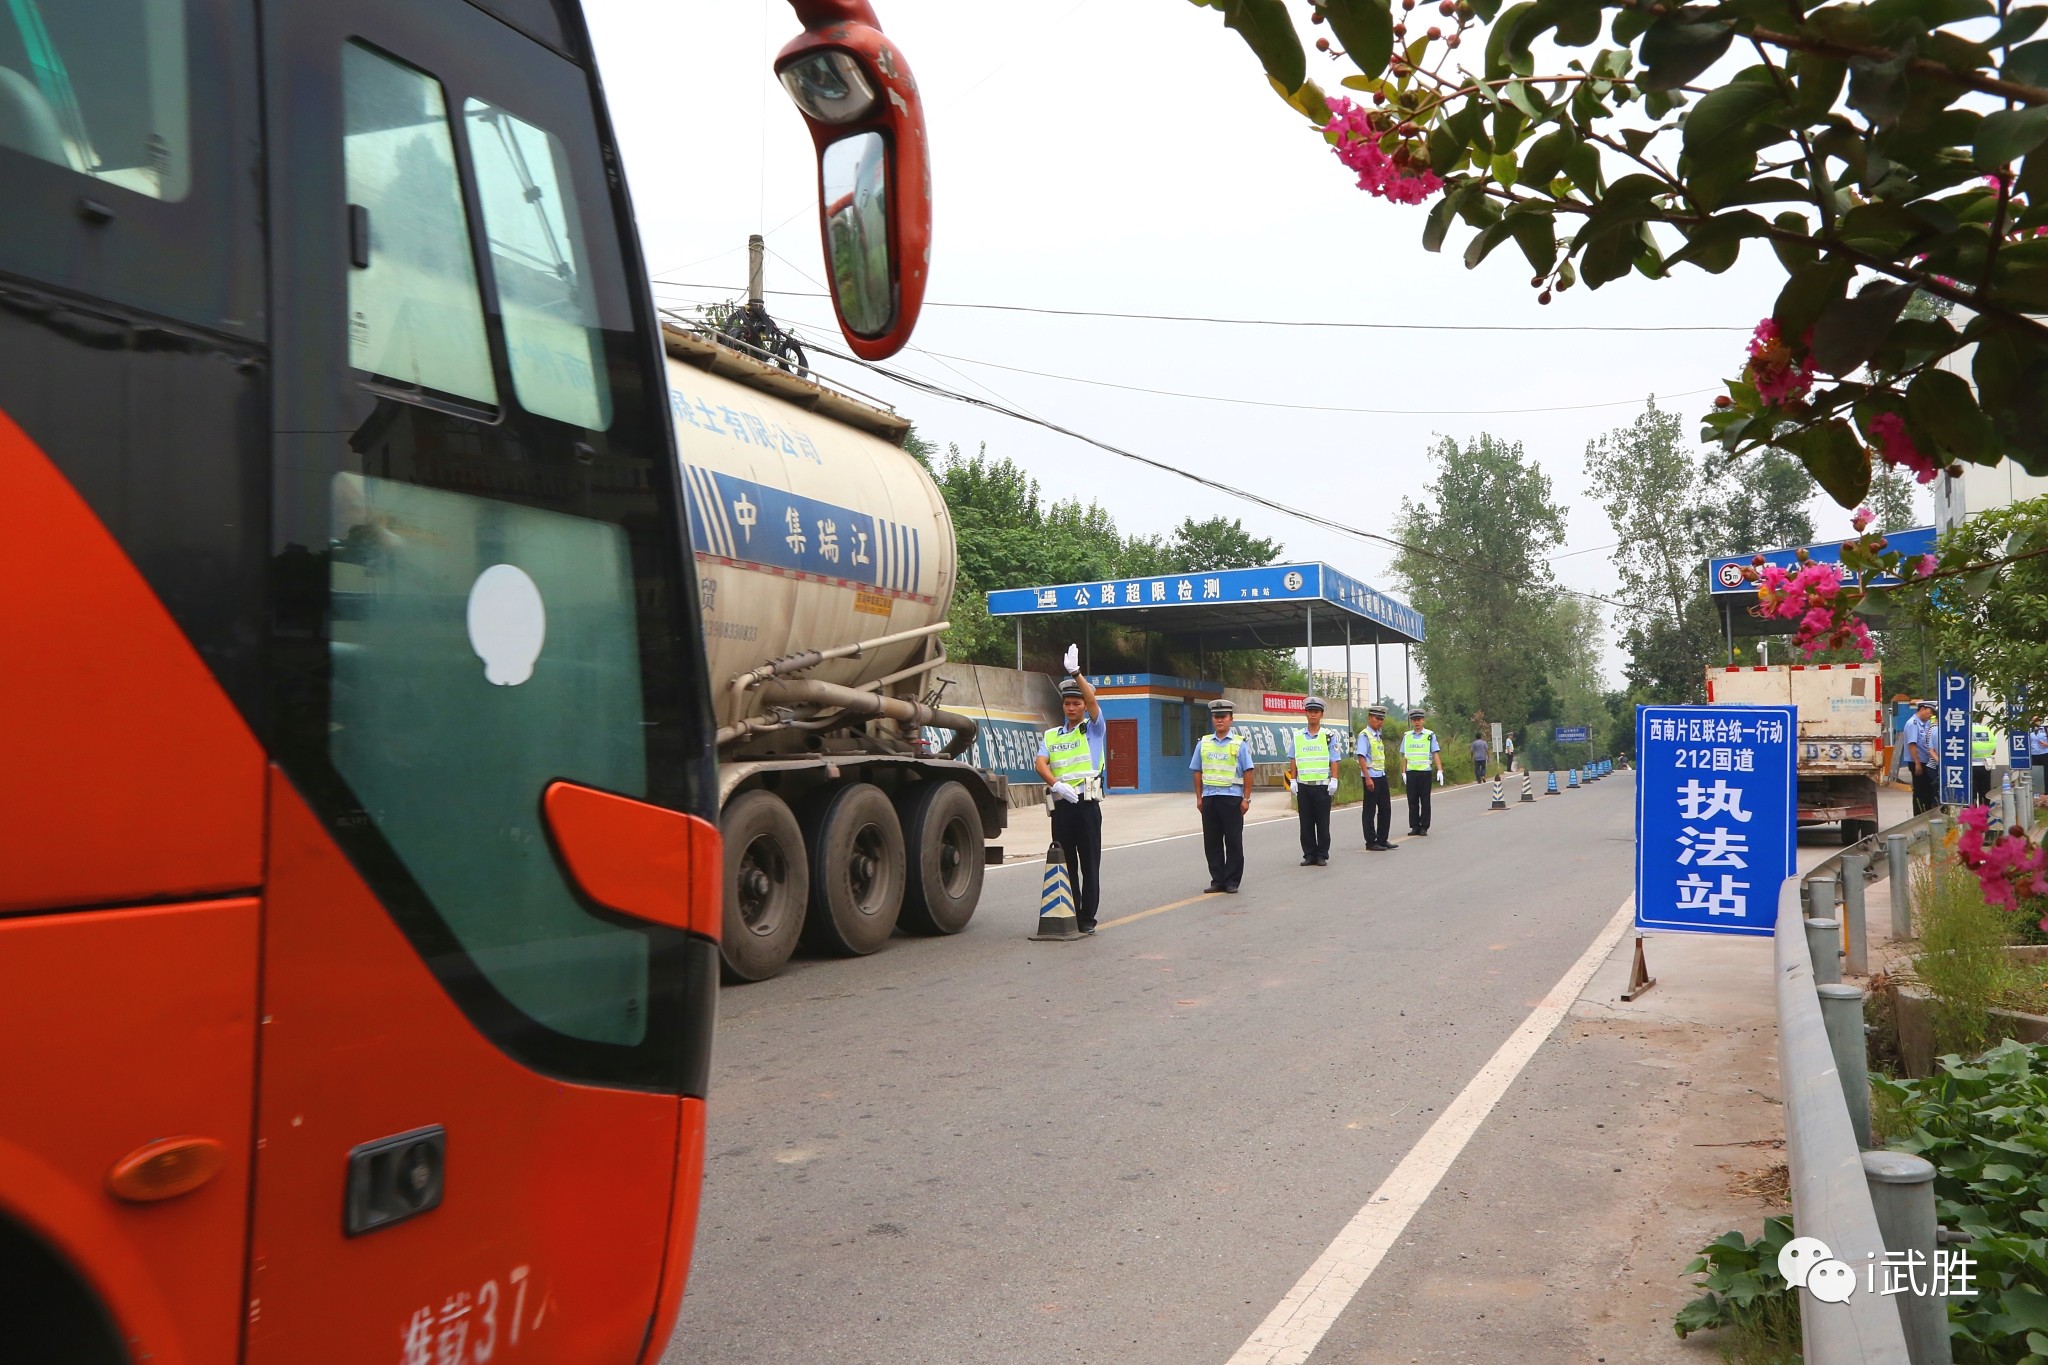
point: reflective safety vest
(1415, 747)
(1982, 747)
(1312, 756)
(1375, 750)
(1068, 755)
(1219, 761)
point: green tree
(1476, 569)
(1218, 543)
(1993, 623)
(1895, 501)
(1877, 150)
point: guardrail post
(1902, 885)
(1824, 945)
(1841, 1009)
(1853, 867)
(1902, 1195)
(1937, 831)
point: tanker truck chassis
(825, 562)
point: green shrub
(1745, 1297)
(1963, 961)
(1984, 1126)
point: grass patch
(1962, 964)
(1745, 1299)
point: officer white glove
(1332, 785)
(1063, 792)
(1443, 779)
(1072, 659)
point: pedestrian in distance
(2037, 754)
(1923, 752)
(1424, 758)
(1223, 793)
(1507, 753)
(1071, 759)
(1312, 771)
(1378, 813)
(1983, 749)
(1479, 755)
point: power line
(940, 391)
(1279, 322)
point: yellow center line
(1155, 910)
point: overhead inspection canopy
(1278, 606)
(1736, 601)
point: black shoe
(1230, 890)
(1388, 848)
(1322, 862)
(1308, 862)
(1087, 930)
(1422, 833)
(1213, 888)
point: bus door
(477, 1140)
(132, 469)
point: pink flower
(1776, 372)
(1887, 432)
(1925, 566)
(1391, 177)
(1864, 516)
(2005, 867)
(1815, 597)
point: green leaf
(1545, 156)
(1365, 30)
(1503, 167)
(1818, 81)
(1483, 245)
(1438, 224)
(1793, 255)
(1835, 458)
(1307, 101)
(1849, 331)
(1674, 52)
(1582, 164)
(2008, 135)
(1810, 289)
(1537, 237)
(2027, 64)
(1725, 115)
(1714, 245)
(2011, 370)
(1269, 32)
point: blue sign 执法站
(1573, 734)
(1716, 802)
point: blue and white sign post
(1572, 734)
(1716, 800)
(1955, 739)
(2018, 756)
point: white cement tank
(809, 532)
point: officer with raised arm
(1071, 761)
(1223, 794)
(1312, 770)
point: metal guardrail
(1830, 1194)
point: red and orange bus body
(358, 900)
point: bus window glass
(479, 651)
(415, 316)
(99, 86)
(543, 275)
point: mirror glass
(854, 175)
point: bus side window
(543, 275)
(99, 87)
(415, 312)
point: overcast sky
(1128, 155)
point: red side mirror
(856, 92)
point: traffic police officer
(1312, 769)
(1222, 795)
(1378, 815)
(1983, 749)
(1070, 761)
(1923, 751)
(1424, 758)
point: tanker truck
(825, 565)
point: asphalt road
(1130, 1148)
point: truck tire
(767, 886)
(943, 840)
(1855, 830)
(857, 871)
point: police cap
(1313, 704)
(1417, 713)
(1379, 711)
(1925, 706)
(1222, 706)
(1070, 688)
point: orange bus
(359, 894)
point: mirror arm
(818, 14)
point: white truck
(825, 567)
(1841, 734)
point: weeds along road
(1131, 1148)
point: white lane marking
(1293, 1330)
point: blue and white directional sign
(1716, 790)
(1213, 588)
(1572, 734)
(1954, 719)
(2017, 752)
(1724, 575)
